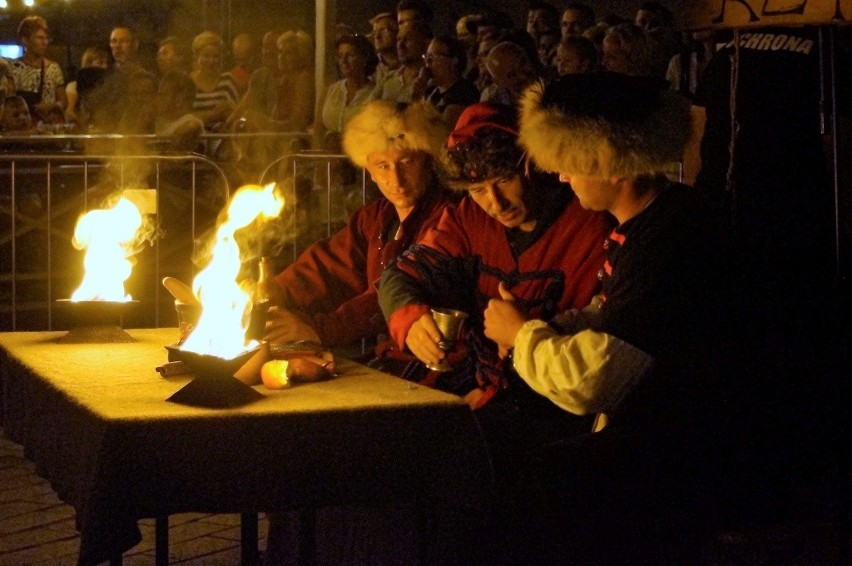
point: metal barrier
(48, 191)
(46, 194)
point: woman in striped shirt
(216, 91)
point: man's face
(411, 46)
(547, 48)
(384, 35)
(167, 58)
(122, 44)
(405, 17)
(402, 175)
(593, 193)
(613, 57)
(572, 23)
(569, 62)
(536, 22)
(502, 198)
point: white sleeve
(587, 372)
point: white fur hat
(604, 125)
(382, 126)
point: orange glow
(109, 237)
(225, 304)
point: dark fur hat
(604, 125)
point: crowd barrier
(42, 194)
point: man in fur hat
(328, 294)
(650, 353)
(515, 226)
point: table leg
(307, 537)
(161, 540)
(248, 539)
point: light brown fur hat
(382, 126)
(604, 125)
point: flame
(108, 236)
(226, 306)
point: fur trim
(592, 145)
(382, 126)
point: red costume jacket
(333, 283)
(555, 270)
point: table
(94, 420)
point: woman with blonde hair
(216, 91)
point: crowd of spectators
(266, 83)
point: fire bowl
(206, 365)
(95, 321)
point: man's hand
(284, 326)
(503, 320)
(423, 338)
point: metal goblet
(449, 322)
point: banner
(700, 14)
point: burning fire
(109, 237)
(226, 306)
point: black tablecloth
(95, 421)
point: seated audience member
(93, 56)
(484, 83)
(627, 49)
(651, 353)
(38, 79)
(329, 294)
(216, 92)
(294, 106)
(139, 108)
(244, 54)
(511, 69)
(257, 105)
(7, 82)
(447, 89)
(384, 31)
(576, 19)
(171, 56)
(576, 55)
(410, 11)
(411, 45)
(542, 18)
(175, 118)
(547, 44)
(124, 46)
(356, 62)
(16, 116)
(516, 227)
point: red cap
(482, 115)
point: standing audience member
(384, 31)
(38, 79)
(654, 353)
(447, 89)
(548, 41)
(356, 62)
(171, 56)
(329, 294)
(294, 108)
(576, 19)
(93, 56)
(216, 92)
(411, 45)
